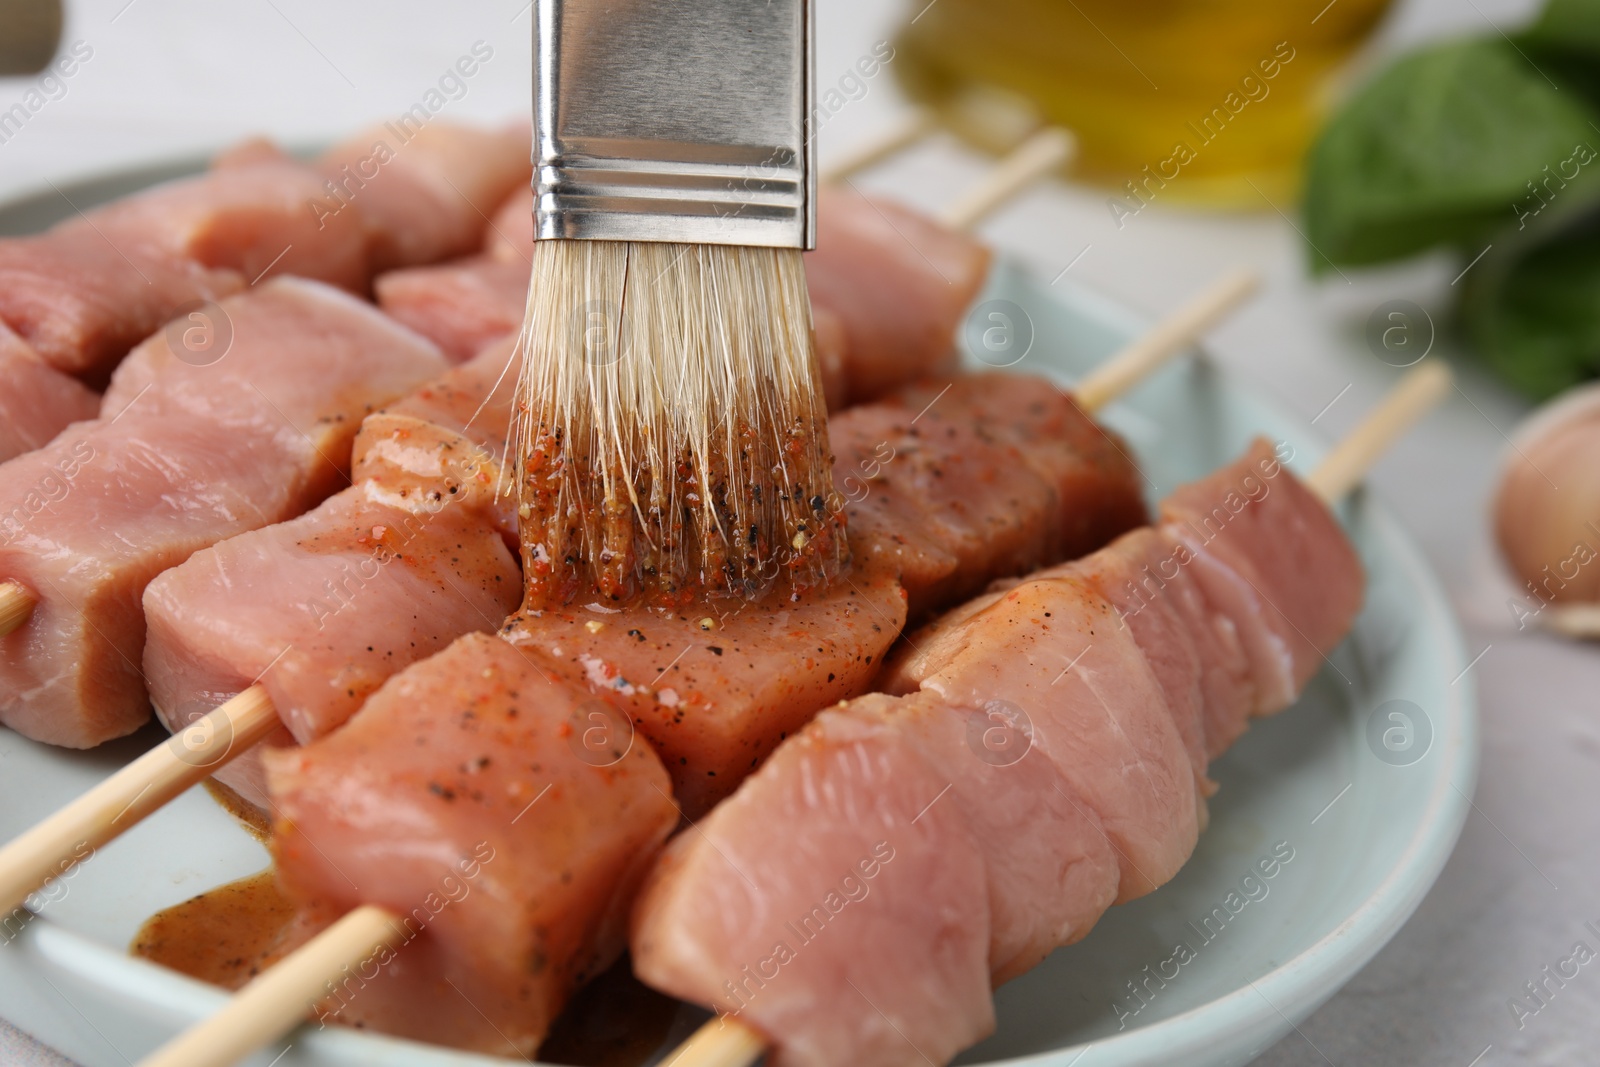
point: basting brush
(671, 431)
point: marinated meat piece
(499, 812)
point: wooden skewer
(1043, 153)
(143, 786)
(726, 1042)
(902, 135)
(1170, 336)
(275, 1001)
(721, 1042)
(1343, 469)
(16, 604)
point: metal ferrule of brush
(674, 120)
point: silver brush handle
(674, 120)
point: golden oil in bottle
(1199, 101)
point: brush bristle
(671, 435)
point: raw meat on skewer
(426, 194)
(36, 400)
(186, 455)
(73, 300)
(365, 927)
(85, 292)
(1098, 676)
(927, 875)
(320, 610)
(479, 755)
(463, 306)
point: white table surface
(175, 76)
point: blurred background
(1410, 177)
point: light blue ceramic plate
(1353, 809)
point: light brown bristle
(671, 436)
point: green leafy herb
(1440, 149)
(1567, 26)
(1490, 145)
(1537, 322)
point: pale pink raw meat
(833, 357)
(462, 306)
(423, 194)
(510, 234)
(473, 400)
(322, 609)
(473, 779)
(88, 290)
(85, 292)
(1172, 630)
(1279, 549)
(186, 456)
(36, 400)
(250, 152)
(879, 909)
(1053, 648)
(899, 282)
(1051, 869)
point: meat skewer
(320, 610)
(202, 739)
(184, 454)
(471, 803)
(482, 657)
(83, 293)
(974, 898)
(79, 296)
(205, 745)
